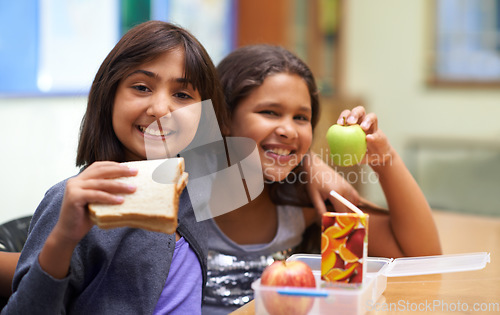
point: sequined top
(232, 267)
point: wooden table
(459, 292)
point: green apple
(347, 144)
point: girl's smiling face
(156, 112)
(277, 116)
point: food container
(344, 246)
(354, 300)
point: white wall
(386, 65)
(387, 43)
(38, 139)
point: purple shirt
(182, 291)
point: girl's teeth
(280, 151)
(154, 132)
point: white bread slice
(155, 203)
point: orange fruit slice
(335, 243)
(332, 234)
(337, 274)
(332, 274)
(347, 255)
(346, 220)
(347, 273)
(345, 230)
(328, 260)
(364, 219)
(332, 230)
(324, 242)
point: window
(54, 47)
(466, 48)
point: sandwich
(154, 204)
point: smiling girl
(133, 113)
(273, 99)
(156, 72)
(277, 116)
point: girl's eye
(302, 117)
(268, 112)
(183, 95)
(141, 88)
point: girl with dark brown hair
(70, 266)
(273, 100)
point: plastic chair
(13, 234)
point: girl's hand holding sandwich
(93, 185)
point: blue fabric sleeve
(38, 293)
(33, 289)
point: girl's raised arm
(93, 185)
(8, 262)
(410, 217)
(321, 179)
(409, 229)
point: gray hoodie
(118, 271)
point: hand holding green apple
(347, 144)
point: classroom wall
(38, 142)
(386, 49)
(385, 66)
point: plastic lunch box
(355, 300)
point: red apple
(287, 274)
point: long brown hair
(246, 68)
(141, 44)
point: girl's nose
(286, 130)
(160, 107)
